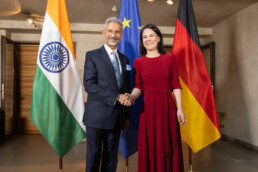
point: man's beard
(112, 43)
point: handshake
(126, 99)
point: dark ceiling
(207, 12)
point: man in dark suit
(106, 80)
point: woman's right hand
(181, 117)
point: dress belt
(156, 91)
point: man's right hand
(126, 99)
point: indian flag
(201, 128)
(57, 104)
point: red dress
(159, 141)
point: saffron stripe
(55, 10)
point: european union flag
(129, 45)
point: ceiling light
(170, 2)
(30, 20)
(150, 0)
(114, 8)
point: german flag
(201, 128)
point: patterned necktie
(116, 68)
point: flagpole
(126, 164)
(60, 164)
(190, 160)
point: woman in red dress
(156, 76)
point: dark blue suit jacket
(100, 83)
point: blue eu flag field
(129, 45)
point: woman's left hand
(181, 117)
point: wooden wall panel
(207, 59)
(9, 80)
(26, 60)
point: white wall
(236, 69)
(84, 43)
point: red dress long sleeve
(159, 141)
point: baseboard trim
(240, 142)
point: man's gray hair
(113, 20)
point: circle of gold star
(126, 23)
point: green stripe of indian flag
(67, 83)
(52, 117)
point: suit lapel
(123, 65)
